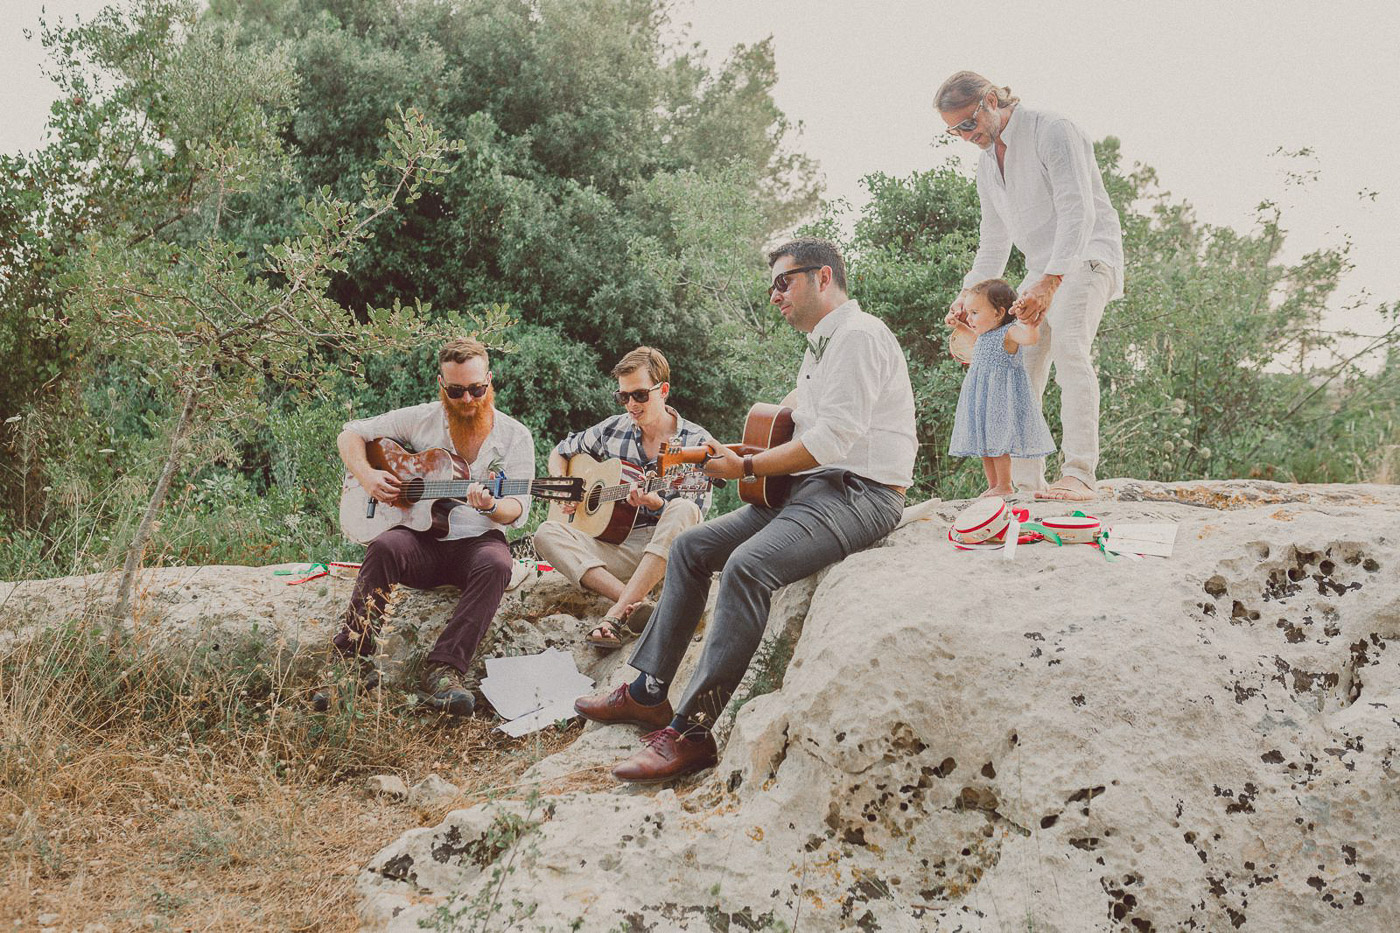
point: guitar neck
(457, 488)
(613, 493)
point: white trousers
(1067, 340)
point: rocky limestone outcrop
(249, 616)
(964, 743)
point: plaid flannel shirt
(620, 437)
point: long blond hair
(967, 87)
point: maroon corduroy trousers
(480, 566)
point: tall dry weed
(150, 790)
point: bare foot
(1068, 489)
(998, 491)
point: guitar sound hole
(590, 503)
(413, 489)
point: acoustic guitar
(765, 426)
(433, 483)
(603, 511)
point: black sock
(647, 690)
(689, 729)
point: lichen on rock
(1054, 743)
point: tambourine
(983, 520)
(1073, 529)
(960, 345)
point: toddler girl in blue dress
(998, 415)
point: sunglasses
(781, 283)
(637, 395)
(456, 391)
(968, 125)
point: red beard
(469, 428)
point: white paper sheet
(539, 719)
(518, 686)
(1155, 539)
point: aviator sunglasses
(456, 391)
(970, 124)
(639, 396)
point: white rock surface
(227, 615)
(431, 791)
(387, 786)
(1057, 743)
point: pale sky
(1205, 92)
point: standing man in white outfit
(1040, 190)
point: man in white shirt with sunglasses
(1041, 191)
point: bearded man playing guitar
(851, 459)
(625, 572)
(473, 553)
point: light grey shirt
(855, 406)
(509, 448)
(1051, 202)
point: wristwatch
(748, 468)
(492, 510)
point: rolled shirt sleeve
(588, 441)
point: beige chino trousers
(574, 553)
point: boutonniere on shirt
(496, 466)
(817, 347)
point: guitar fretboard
(456, 488)
(613, 493)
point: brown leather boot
(668, 755)
(619, 706)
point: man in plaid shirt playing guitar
(627, 571)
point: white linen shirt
(855, 406)
(509, 448)
(1051, 203)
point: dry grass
(139, 797)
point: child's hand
(1031, 306)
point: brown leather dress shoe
(668, 755)
(619, 706)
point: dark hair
(813, 251)
(648, 358)
(999, 295)
(461, 349)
